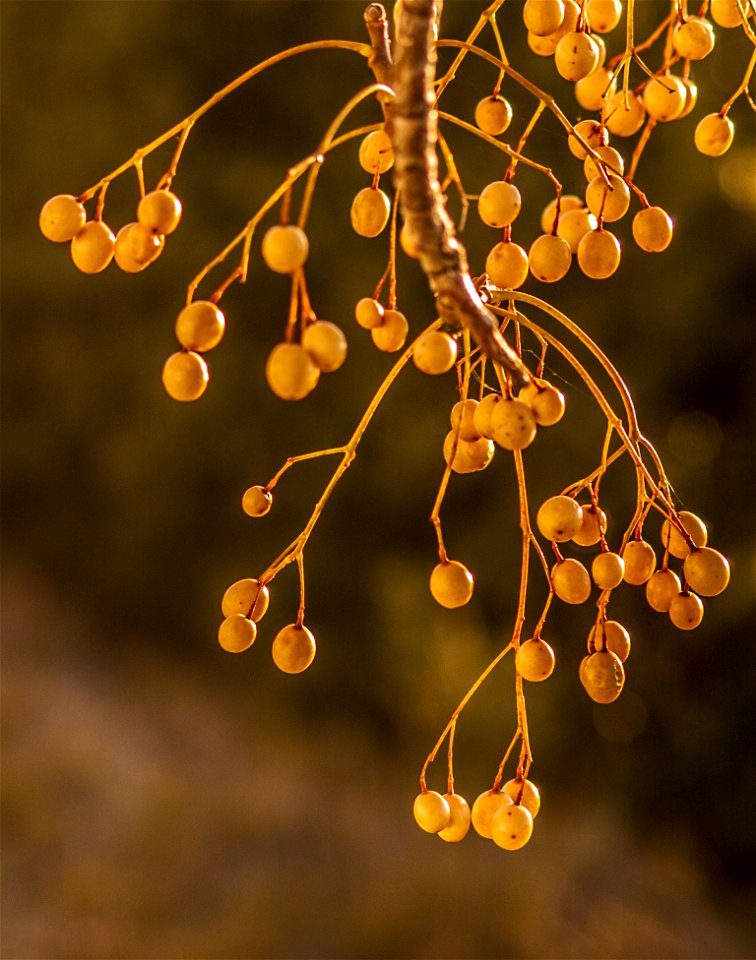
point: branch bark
(412, 125)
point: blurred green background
(163, 799)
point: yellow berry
(484, 412)
(664, 97)
(407, 243)
(451, 584)
(293, 648)
(706, 571)
(257, 501)
(470, 455)
(727, 13)
(511, 826)
(122, 251)
(673, 541)
(592, 526)
(599, 254)
(285, 248)
(694, 38)
(570, 581)
(591, 90)
(462, 418)
(610, 157)
(61, 218)
(568, 202)
(661, 588)
(513, 425)
(640, 561)
(714, 135)
(247, 597)
(608, 570)
(576, 55)
(574, 225)
(545, 401)
(200, 326)
(686, 611)
(612, 636)
(493, 115)
(543, 17)
(431, 811)
(608, 200)
(392, 333)
(499, 204)
(93, 246)
(525, 793)
(602, 676)
(652, 229)
(144, 245)
(592, 133)
(603, 15)
(549, 258)
(534, 660)
(326, 344)
(435, 352)
(625, 118)
(459, 819)
(559, 518)
(507, 265)
(368, 313)
(376, 153)
(370, 212)
(290, 371)
(160, 211)
(485, 807)
(185, 376)
(237, 633)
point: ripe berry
(706, 571)
(604, 15)
(185, 376)
(485, 807)
(326, 345)
(598, 254)
(686, 611)
(590, 91)
(144, 245)
(247, 597)
(93, 246)
(525, 793)
(609, 155)
(484, 412)
(200, 326)
(549, 258)
(451, 584)
(559, 518)
(727, 13)
(592, 133)
(431, 811)
(607, 570)
(612, 636)
(512, 424)
(569, 202)
(693, 39)
(160, 211)
(602, 676)
(368, 313)
(392, 333)
(237, 633)
(435, 352)
(576, 55)
(122, 251)
(470, 455)
(543, 17)
(499, 204)
(652, 229)
(574, 225)
(570, 581)
(674, 541)
(511, 826)
(534, 660)
(714, 135)
(257, 501)
(293, 648)
(493, 115)
(625, 119)
(592, 526)
(61, 218)
(661, 588)
(640, 561)
(664, 97)
(285, 248)
(610, 201)
(370, 212)
(507, 265)
(462, 419)
(290, 371)
(376, 152)
(545, 401)
(459, 819)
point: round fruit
(237, 633)
(257, 501)
(61, 218)
(93, 246)
(462, 418)
(485, 807)
(625, 119)
(511, 826)
(612, 636)
(512, 424)
(570, 581)
(459, 819)
(603, 15)
(727, 13)
(610, 201)
(609, 155)
(484, 412)
(592, 526)
(431, 811)
(376, 152)
(574, 225)
(525, 793)
(549, 258)
(598, 254)
(185, 376)
(603, 676)
(674, 541)
(368, 313)
(559, 518)
(159, 210)
(408, 242)
(392, 333)
(499, 204)
(534, 660)
(569, 202)
(470, 455)
(652, 229)
(576, 55)
(246, 597)
(122, 251)
(326, 344)
(451, 584)
(493, 115)
(200, 326)
(543, 17)
(370, 212)
(435, 352)
(693, 39)
(664, 97)
(590, 91)
(608, 570)
(592, 133)
(144, 245)
(661, 588)
(640, 561)
(714, 135)
(686, 611)
(285, 248)
(545, 401)
(290, 371)
(507, 265)
(706, 571)
(293, 648)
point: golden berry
(451, 584)
(290, 371)
(185, 376)
(200, 326)
(293, 648)
(61, 218)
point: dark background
(164, 799)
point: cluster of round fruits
(371, 207)
(504, 815)
(63, 219)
